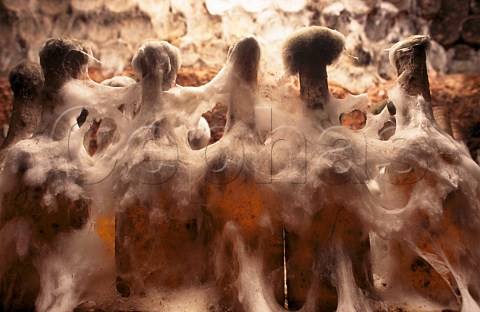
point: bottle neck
(314, 87)
(152, 85)
(241, 107)
(412, 71)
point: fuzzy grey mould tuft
(26, 79)
(245, 55)
(70, 53)
(155, 56)
(316, 46)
